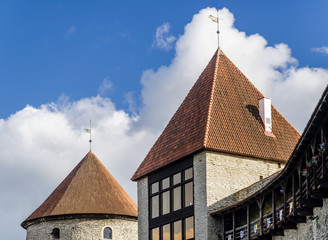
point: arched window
(55, 233)
(107, 233)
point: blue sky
(128, 65)
(49, 48)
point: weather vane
(217, 20)
(88, 130)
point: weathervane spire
(88, 130)
(217, 20)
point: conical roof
(88, 189)
(220, 113)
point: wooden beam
(260, 202)
(233, 225)
(284, 186)
(273, 209)
(294, 193)
(223, 227)
(248, 224)
(299, 180)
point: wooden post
(273, 209)
(260, 204)
(294, 193)
(248, 224)
(233, 225)
(223, 227)
(307, 178)
(284, 186)
(299, 180)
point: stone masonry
(91, 229)
(143, 231)
(218, 175)
(315, 229)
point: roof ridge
(208, 118)
(89, 180)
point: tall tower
(88, 204)
(214, 145)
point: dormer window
(107, 233)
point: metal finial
(217, 20)
(88, 130)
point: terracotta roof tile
(220, 113)
(88, 189)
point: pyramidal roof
(220, 113)
(88, 189)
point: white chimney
(265, 113)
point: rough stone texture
(77, 229)
(242, 194)
(200, 194)
(218, 175)
(143, 231)
(313, 229)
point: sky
(127, 65)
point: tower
(88, 204)
(214, 145)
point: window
(177, 230)
(107, 233)
(55, 233)
(171, 202)
(189, 228)
(181, 230)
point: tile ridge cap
(218, 53)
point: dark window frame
(172, 216)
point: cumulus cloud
(272, 69)
(41, 145)
(323, 50)
(163, 39)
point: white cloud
(323, 50)
(71, 30)
(163, 39)
(271, 69)
(105, 86)
(40, 146)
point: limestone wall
(313, 229)
(77, 229)
(218, 175)
(143, 231)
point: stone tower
(214, 145)
(88, 204)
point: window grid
(157, 233)
(179, 178)
(171, 187)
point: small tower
(213, 146)
(88, 204)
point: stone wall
(77, 229)
(313, 229)
(242, 194)
(218, 175)
(143, 231)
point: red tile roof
(220, 113)
(88, 189)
